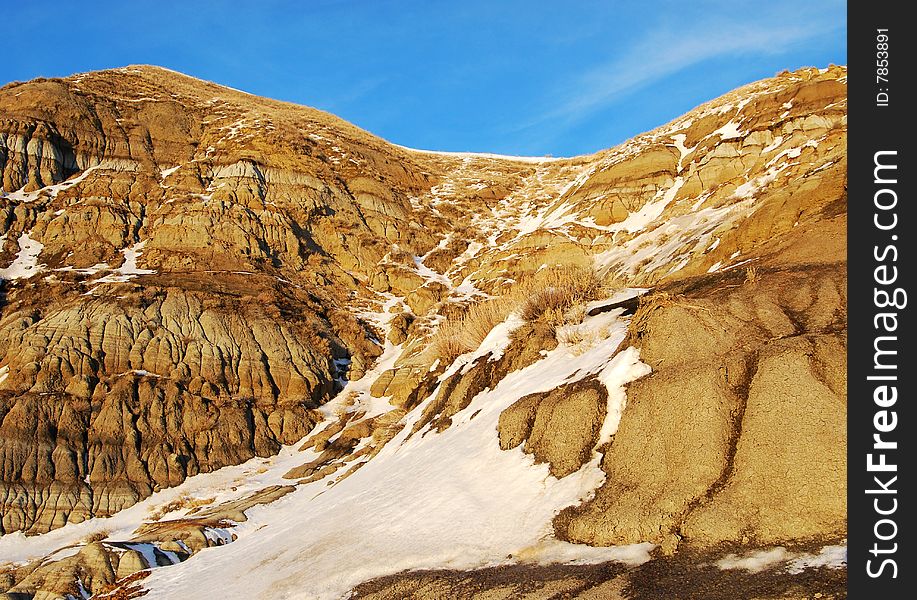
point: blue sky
(516, 77)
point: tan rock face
(206, 260)
(103, 566)
(783, 490)
(560, 427)
(739, 432)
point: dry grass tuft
(481, 318)
(751, 275)
(98, 536)
(648, 305)
(570, 336)
(465, 332)
(447, 344)
(553, 292)
(182, 502)
(554, 296)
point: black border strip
(881, 368)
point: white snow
(88, 270)
(149, 552)
(833, 557)
(143, 373)
(740, 263)
(467, 289)
(62, 553)
(823, 167)
(755, 561)
(428, 273)
(700, 200)
(492, 346)
(4, 373)
(166, 172)
(624, 367)
(751, 187)
(321, 541)
(669, 242)
(729, 131)
(51, 190)
(682, 150)
(551, 218)
(129, 269)
(555, 551)
(649, 212)
(527, 159)
(793, 152)
(25, 264)
(773, 145)
(226, 484)
(619, 296)
(219, 535)
(715, 267)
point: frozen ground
(431, 500)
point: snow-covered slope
(429, 500)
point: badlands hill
(256, 346)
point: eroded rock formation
(191, 273)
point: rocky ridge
(195, 272)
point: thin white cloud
(664, 53)
(357, 91)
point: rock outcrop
(560, 427)
(738, 435)
(190, 274)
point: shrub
(464, 332)
(98, 536)
(555, 296)
(182, 502)
(552, 292)
(481, 318)
(447, 344)
(751, 275)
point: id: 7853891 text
(882, 73)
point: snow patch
(649, 212)
(328, 539)
(753, 186)
(754, 562)
(833, 557)
(485, 155)
(166, 172)
(25, 264)
(559, 552)
(51, 190)
(729, 131)
(682, 149)
(623, 368)
(129, 269)
(773, 145)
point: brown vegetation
(550, 295)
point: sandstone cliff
(194, 278)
